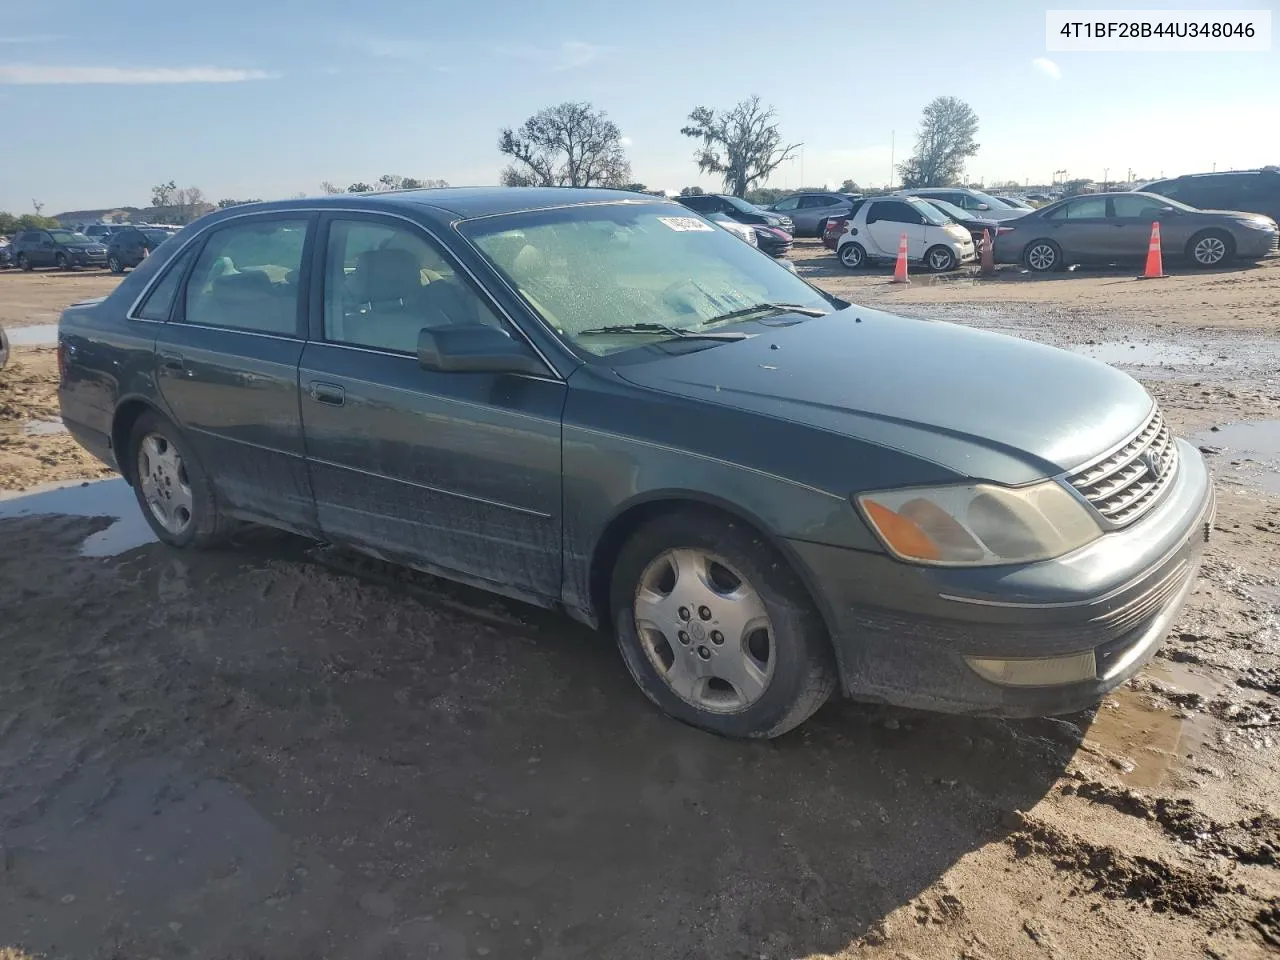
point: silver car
(975, 201)
(811, 211)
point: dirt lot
(271, 752)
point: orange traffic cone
(988, 253)
(1155, 263)
(900, 269)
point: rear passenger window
(159, 301)
(384, 283)
(247, 278)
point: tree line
(574, 144)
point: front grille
(1275, 244)
(1127, 484)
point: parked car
(737, 208)
(834, 229)
(100, 231)
(128, 247)
(975, 201)
(875, 230)
(1016, 202)
(4, 348)
(1255, 191)
(5, 260)
(59, 248)
(810, 211)
(583, 399)
(974, 224)
(1116, 227)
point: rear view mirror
(475, 349)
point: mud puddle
(1148, 354)
(44, 428)
(101, 498)
(35, 335)
(1143, 727)
(1250, 449)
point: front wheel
(114, 264)
(1042, 256)
(24, 262)
(174, 492)
(1211, 248)
(940, 259)
(716, 629)
(852, 255)
(61, 262)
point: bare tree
(162, 194)
(945, 141)
(390, 181)
(327, 187)
(37, 206)
(742, 144)
(569, 145)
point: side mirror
(475, 349)
(984, 206)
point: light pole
(1105, 181)
(801, 146)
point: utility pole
(1105, 180)
(891, 166)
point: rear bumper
(908, 635)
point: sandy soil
(279, 751)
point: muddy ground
(271, 752)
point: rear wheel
(1042, 256)
(24, 262)
(717, 630)
(940, 259)
(114, 264)
(174, 492)
(852, 255)
(61, 262)
(1210, 248)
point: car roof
(461, 203)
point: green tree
(33, 221)
(223, 204)
(359, 187)
(162, 194)
(691, 192)
(945, 141)
(742, 144)
(568, 145)
(850, 186)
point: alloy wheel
(1209, 251)
(164, 483)
(1042, 256)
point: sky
(267, 98)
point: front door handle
(172, 361)
(329, 393)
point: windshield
(157, 236)
(927, 210)
(1168, 201)
(585, 268)
(950, 209)
(739, 204)
(68, 236)
(991, 201)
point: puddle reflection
(100, 498)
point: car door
(43, 252)
(452, 472)
(227, 364)
(887, 221)
(1131, 217)
(1081, 229)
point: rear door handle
(329, 393)
(172, 361)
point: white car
(875, 230)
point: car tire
(1211, 248)
(1042, 256)
(61, 262)
(852, 255)
(940, 259)
(4, 348)
(172, 488)
(114, 264)
(24, 262)
(769, 670)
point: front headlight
(957, 231)
(979, 524)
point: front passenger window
(246, 278)
(384, 283)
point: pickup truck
(876, 228)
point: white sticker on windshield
(686, 224)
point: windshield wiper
(648, 328)
(767, 308)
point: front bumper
(904, 634)
(88, 259)
(1257, 244)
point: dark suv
(59, 248)
(129, 246)
(1254, 191)
(738, 209)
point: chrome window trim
(400, 355)
(202, 234)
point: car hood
(1010, 214)
(982, 404)
(1237, 214)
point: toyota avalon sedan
(599, 402)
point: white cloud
(625, 141)
(566, 56)
(34, 38)
(1047, 67)
(27, 75)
